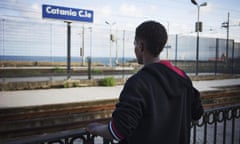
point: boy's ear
(141, 44)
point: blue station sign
(65, 13)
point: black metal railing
(76, 136)
(220, 125)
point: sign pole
(68, 49)
(71, 14)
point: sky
(178, 16)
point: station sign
(66, 13)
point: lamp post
(226, 25)
(111, 39)
(198, 28)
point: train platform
(24, 98)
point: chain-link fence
(214, 54)
(40, 39)
(29, 48)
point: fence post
(233, 57)
(89, 68)
(3, 40)
(216, 57)
(176, 49)
(123, 56)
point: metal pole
(110, 48)
(91, 42)
(198, 27)
(227, 46)
(68, 49)
(197, 44)
(233, 46)
(110, 45)
(83, 45)
(123, 57)
(216, 57)
(51, 44)
(168, 35)
(51, 51)
(90, 58)
(176, 50)
(89, 68)
(116, 59)
(3, 34)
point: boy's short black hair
(154, 36)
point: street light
(226, 25)
(198, 28)
(111, 39)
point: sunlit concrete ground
(68, 95)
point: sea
(102, 60)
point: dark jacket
(156, 106)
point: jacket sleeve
(128, 111)
(197, 108)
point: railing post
(215, 127)
(233, 124)
(194, 133)
(90, 139)
(205, 129)
(66, 141)
(224, 125)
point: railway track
(27, 121)
(19, 122)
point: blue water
(103, 60)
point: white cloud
(105, 10)
(129, 10)
(34, 11)
(36, 7)
(102, 13)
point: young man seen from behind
(158, 103)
